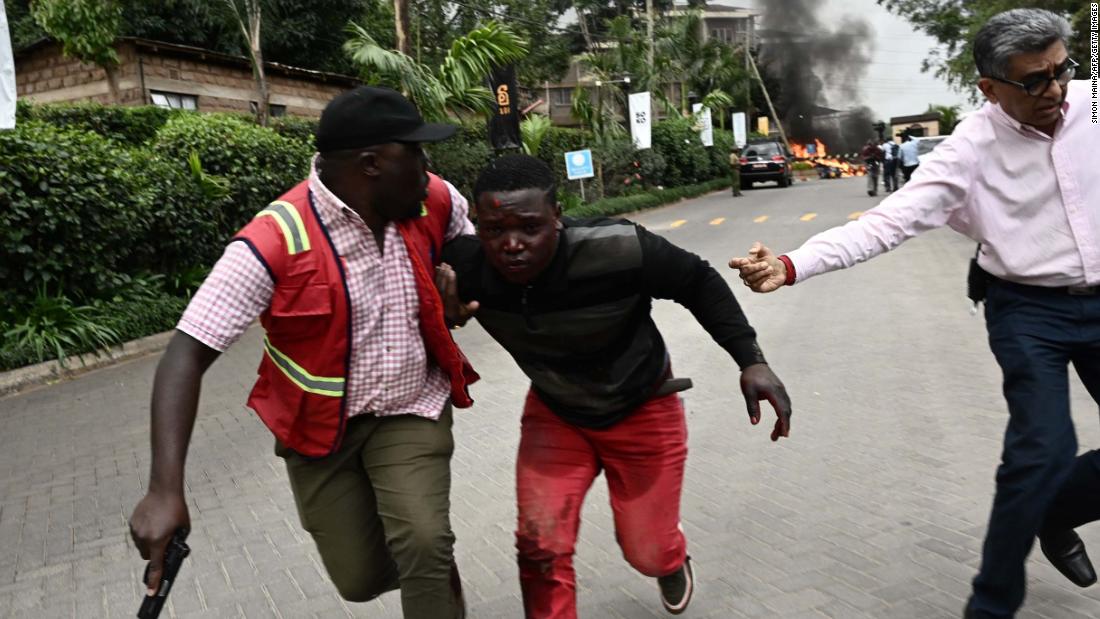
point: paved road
(875, 507)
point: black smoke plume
(804, 56)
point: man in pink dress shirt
(1020, 177)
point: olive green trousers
(378, 510)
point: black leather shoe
(1066, 551)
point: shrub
(650, 199)
(129, 125)
(685, 157)
(68, 214)
(189, 222)
(461, 158)
(552, 149)
(258, 163)
(719, 154)
(53, 328)
(295, 127)
(618, 158)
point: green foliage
(621, 169)
(258, 163)
(53, 328)
(533, 129)
(296, 127)
(129, 125)
(86, 28)
(68, 215)
(955, 24)
(461, 158)
(949, 116)
(133, 319)
(557, 142)
(650, 199)
(719, 154)
(685, 157)
(456, 85)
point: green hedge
(69, 219)
(687, 160)
(258, 163)
(651, 199)
(129, 125)
(110, 216)
(461, 158)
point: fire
(826, 165)
(803, 151)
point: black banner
(504, 122)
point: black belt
(1077, 291)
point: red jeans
(643, 459)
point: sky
(894, 85)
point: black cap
(369, 115)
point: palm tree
(455, 86)
(949, 116)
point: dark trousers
(378, 510)
(890, 174)
(907, 171)
(1041, 482)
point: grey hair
(1012, 32)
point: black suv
(765, 160)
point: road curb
(14, 381)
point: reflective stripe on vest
(290, 222)
(320, 385)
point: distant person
(908, 154)
(570, 300)
(871, 155)
(890, 153)
(1019, 177)
(735, 169)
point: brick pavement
(874, 508)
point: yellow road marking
(761, 219)
(855, 215)
(718, 221)
(808, 216)
(678, 223)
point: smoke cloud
(808, 60)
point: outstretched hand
(761, 270)
(455, 312)
(758, 382)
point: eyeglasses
(1039, 85)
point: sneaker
(677, 587)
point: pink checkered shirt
(390, 370)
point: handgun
(174, 555)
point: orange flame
(803, 152)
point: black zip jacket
(582, 331)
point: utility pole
(748, 61)
(649, 32)
(782, 133)
(401, 25)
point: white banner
(641, 120)
(7, 75)
(740, 136)
(706, 127)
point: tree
(949, 116)
(955, 24)
(250, 19)
(86, 29)
(457, 85)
